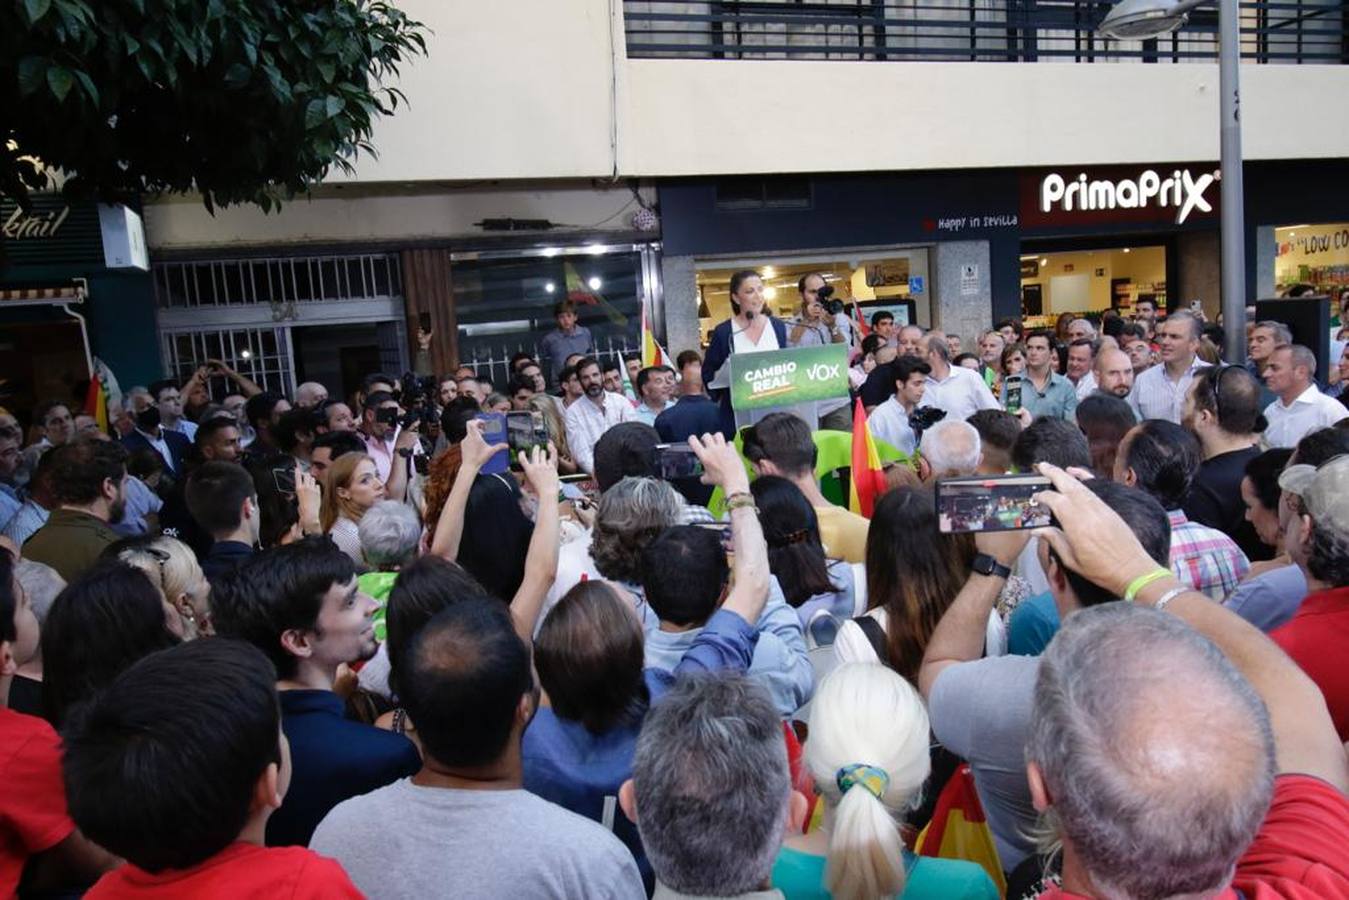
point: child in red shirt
(34, 824)
(176, 767)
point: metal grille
(494, 362)
(279, 282)
(261, 354)
(1272, 31)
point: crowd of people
(322, 646)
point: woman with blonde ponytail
(868, 754)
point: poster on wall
(888, 273)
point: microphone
(749, 315)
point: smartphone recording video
(1013, 403)
(676, 461)
(494, 432)
(525, 431)
(990, 503)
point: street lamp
(1137, 20)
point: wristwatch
(986, 565)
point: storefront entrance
(1091, 277)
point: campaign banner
(788, 377)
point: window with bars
(260, 354)
(276, 281)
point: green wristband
(1143, 581)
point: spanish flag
(867, 481)
(959, 829)
(653, 354)
(96, 401)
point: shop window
(1311, 258)
(505, 306)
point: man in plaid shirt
(1161, 457)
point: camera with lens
(418, 398)
(831, 304)
(923, 418)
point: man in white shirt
(1081, 355)
(170, 402)
(1301, 407)
(1159, 392)
(956, 389)
(593, 414)
(889, 422)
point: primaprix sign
(1176, 196)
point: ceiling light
(595, 249)
(770, 293)
(550, 287)
(1126, 249)
(1044, 260)
(551, 251)
(246, 353)
(769, 271)
(594, 282)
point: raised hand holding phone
(474, 450)
(722, 465)
(308, 495)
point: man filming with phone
(386, 441)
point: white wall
(526, 89)
(350, 213)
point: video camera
(831, 304)
(923, 418)
(418, 398)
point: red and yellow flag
(653, 354)
(96, 402)
(959, 829)
(867, 481)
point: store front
(61, 305)
(1094, 239)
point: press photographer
(817, 324)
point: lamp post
(1143, 19)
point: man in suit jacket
(172, 446)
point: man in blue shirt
(300, 605)
(1044, 392)
(566, 340)
(694, 412)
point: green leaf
(36, 9)
(334, 105)
(314, 114)
(327, 70)
(132, 45)
(88, 84)
(31, 72)
(60, 80)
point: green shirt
(377, 586)
(70, 542)
(800, 876)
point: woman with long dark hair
(914, 572)
(823, 591)
(751, 329)
(99, 625)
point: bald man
(1114, 372)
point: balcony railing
(1272, 31)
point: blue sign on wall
(915, 284)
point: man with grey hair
(1317, 538)
(956, 389)
(1081, 330)
(1232, 787)
(1301, 407)
(710, 790)
(1264, 337)
(1154, 791)
(952, 448)
(389, 534)
(1159, 392)
(310, 395)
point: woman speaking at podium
(749, 330)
